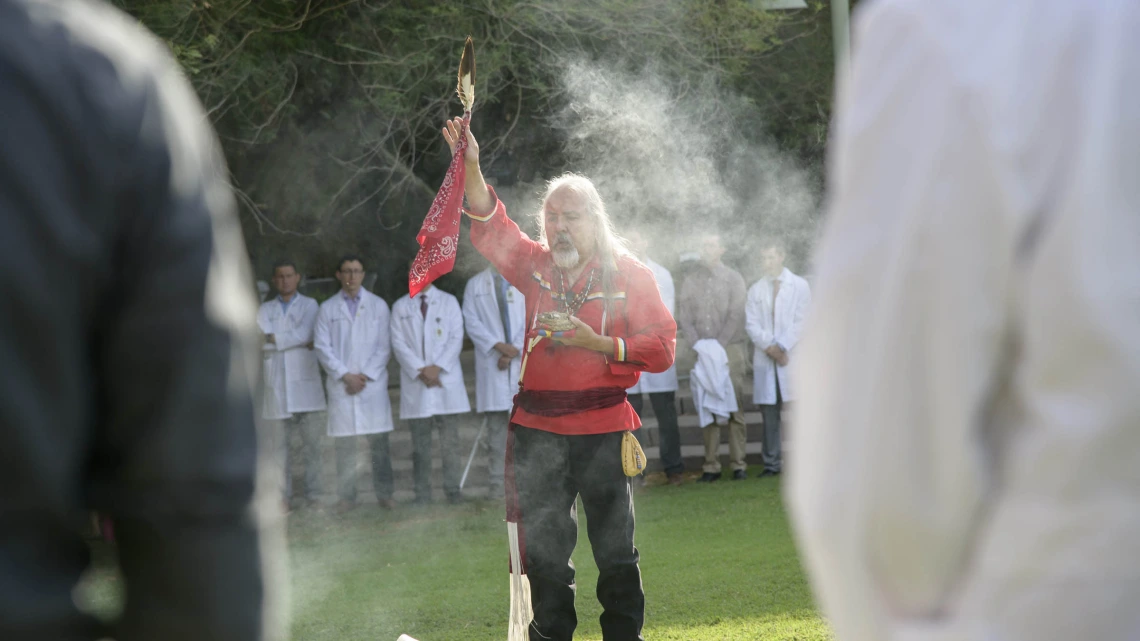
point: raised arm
(493, 233)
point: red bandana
(439, 236)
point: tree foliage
(329, 110)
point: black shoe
(739, 475)
(709, 477)
(769, 473)
(455, 499)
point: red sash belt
(554, 403)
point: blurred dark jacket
(127, 351)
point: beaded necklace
(572, 305)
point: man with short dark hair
(353, 347)
(292, 378)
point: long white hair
(608, 245)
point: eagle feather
(466, 87)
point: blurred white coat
(967, 445)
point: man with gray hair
(571, 413)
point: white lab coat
(355, 345)
(436, 339)
(711, 382)
(791, 307)
(665, 381)
(494, 388)
(292, 374)
(967, 455)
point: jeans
(552, 471)
(496, 450)
(771, 446)
(665, 409)
(452, 457)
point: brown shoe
(676, 479)
(387, 504)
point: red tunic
(643, 330)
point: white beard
(565, 258)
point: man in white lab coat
(292, 377)
(967, 455)
(427, 336)
(494, 313)
(661, 388)
(774, 317)
(353, 346)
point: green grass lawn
(717, 562)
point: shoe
(739, 475)
(387, 504)
(343, 507)
(676, 479)
(769, 473)
(709, 477)
(455, 499)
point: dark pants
(551, 471)
(348, 469)
(665, 409)
(771, 451)
(449, 453)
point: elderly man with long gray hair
(571, 411)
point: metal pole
(474, 448)
(841, 34)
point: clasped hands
(354, 383)
(430, 375)
(507, 353)
(777, 354)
